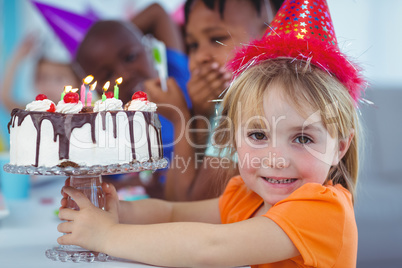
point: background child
(294, 126)
(126, 55)
(50, 75)
(113, 49)
(213, 30)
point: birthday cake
(69, 134)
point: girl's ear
(343, 147)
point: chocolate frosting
(64, 124)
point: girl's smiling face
(287, 151)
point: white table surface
(31, 228)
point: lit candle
(66, 90)
(105, 88)
(84, 85)
(116, 87)
(89, 95)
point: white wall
(371, 31)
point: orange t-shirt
(318, 219)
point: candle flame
(106, 86)
(119, 80)
(93, 86)
(88, 79)
(74, 90)
(67, 89)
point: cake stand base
(74, 254)
(91, 186)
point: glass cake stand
(87, 179)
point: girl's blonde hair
(308, 88)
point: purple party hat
(68, 26)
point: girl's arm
(150, 211)
(186, 179)
(191, 244)
(183, 244)
(180, 174)
(172, 105)
(21, 53)
(194, 177)
(156, 21)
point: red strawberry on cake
(110, 104)
(140, 95)
(139, 102)
(41, 104)
(41, 97)
(109, 95)
(70, 104)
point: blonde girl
(292, 202)
(293, 125)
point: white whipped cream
(69, 108)
(110, 104)
(140, 105)
(39, 105)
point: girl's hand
(64, 200)
(171, 103)
(108, 189)
(206, 84)
(89, 226)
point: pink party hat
(68, 26)
(302, 30)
